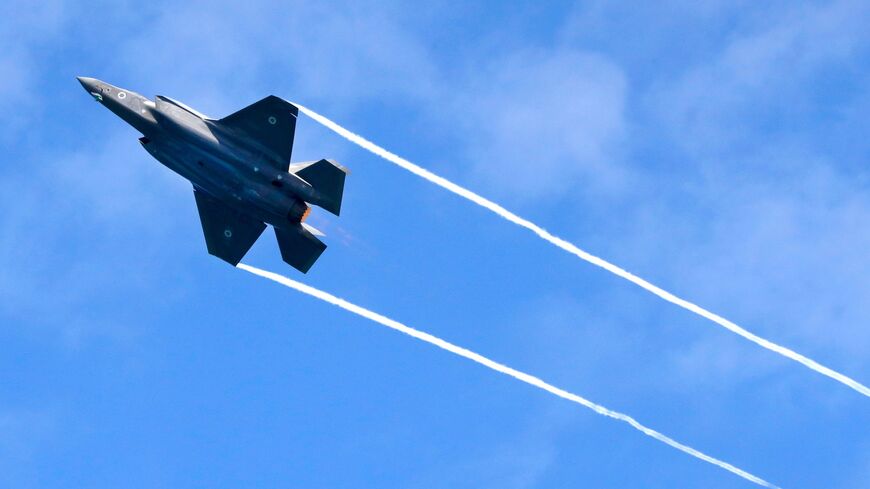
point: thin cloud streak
(498, 367)
(583, 255)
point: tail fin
(299, 248)
(327, 177)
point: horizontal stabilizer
(271, 123)
(229, 234)
(327, 178)
(299, 248)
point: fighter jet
(239, 167)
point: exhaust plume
(498, 367)
(583, 255)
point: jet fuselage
(228, 166)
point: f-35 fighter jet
(239, 167)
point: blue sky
(716, 148)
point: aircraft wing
(271, 123)
(229, 234)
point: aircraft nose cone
(88, 83)
(90, 86)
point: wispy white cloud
(766, 69)
(770, 219)
(90, 203)
(770, 239)
(542, 122)
(341, 53)
(25, 27)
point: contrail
(498, 367)
(574, 250)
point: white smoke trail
(498, 367)
(574, 250)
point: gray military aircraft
(239, 167)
